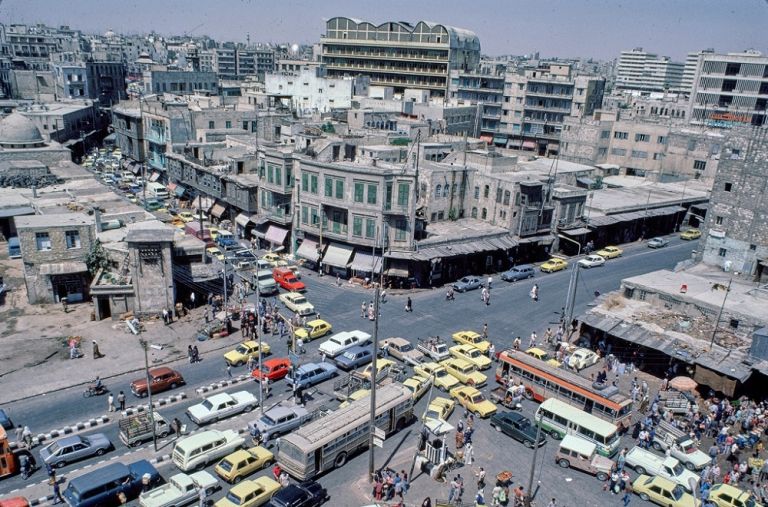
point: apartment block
(485, 89)
(310, 91)
(640, 70)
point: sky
(564, 28)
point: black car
(518, 427)
(304, 494)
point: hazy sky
(598, 28)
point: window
(477, 192)
(722, 252)
(441, 215)
(699, 165)
(359, 191)
(639, 154)
(620, 152)
(734, 323)
(402, 194)
(357, 226)
(438, 191)
(642, 138)
(474, 212)
(719, 220)
(73, 239)
(278, 176)
(661, 140)
(499, 193)
(727, 187)
(486, 191)
(304, 215)
(484, 214)
(373, 191)
(43, 241)
(339, 189)
(401, 229)
(507, 195)
(605, 134)
(621, 135)
(211, 125)
(753, 247)
(370, 228)
(304, 182)
(314, 217)
(228, 124)
(313, 183)
(328, 187)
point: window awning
(577, 232)
(337, 255)
(179, 190)
(242, 220)
(218, 210)
(308, 250)
(397, 268)
(155, 176)
(486, 138)
(529, 144)
(202, 203)
(366, 263)
(63, 268)
(276, 234)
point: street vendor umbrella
(683, 384)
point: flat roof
(55, 220)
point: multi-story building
(398, 54)
(639, 70)
(537, 101)
(180, 82)
(106, 81)
(71, 80)
(310, 91)
(730, 90)
(63, 121)
(129, 133)
(230, 62)
(689, 71)
(734, 235)
(485, 89)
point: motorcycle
(94, 390)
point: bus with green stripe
(558, 419)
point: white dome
(16, 129)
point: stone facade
(150, 247)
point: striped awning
(337, 255)
(308, 250)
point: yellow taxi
(609, 252)
(440, 376)
(314, 329)
(472, 338)
(418, 385)
(542, 355)
(554, 264)
(471, 354)
(357, 395)
(663, 492)
(690, 234)
(242, 352)
(271, 257)
(215, 252)
(465, 371)
(242, 463)
(725, 495)
(251, 493)
(473, 400)
(186, 216)
(439, 408)
(381, 364)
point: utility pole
(570, 301)
(151, 410)
(529, 494)
(374, 352)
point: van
(14, 247)
(196, 451)
(287, 280)
(575, 452)
(157, 190)
(226, 240)
(103, 486)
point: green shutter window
(313, 184)
(304, 182)
(328, 187)
(359, 190)
(372, 191)
(270, 174)
(370, 228)
(278, 176)
(339, 189)
(402, 194)
(357, 226)
(304, 215)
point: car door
(80, 450)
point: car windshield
(524, 423)
(678, 492)
(478, 398)
(473, 353)
(678, 469)
(335, 340)
(233, 498)
(225, 465)
(464, 280)
(207, 405)
(267, 420)
(434, 414)
(242, 349)
(349, 355)
(440, 373)
(299, 300)
(406, 348)
(54, 448)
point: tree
(97, 258)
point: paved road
(511, 313)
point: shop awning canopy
(63, 268)
(577, 232)
(218, 210)
(171, 187)
(337, 255)
(308, 250)
(397, 268)
(242, 220)
(202, 203)
(499, 139)
(529, 145)
(276, 234)
(155, 176)
(366, 262)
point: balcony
(384, 55)
(387, 69)
(279, 214)
(396, 209)
(337, 229)
(156, 136)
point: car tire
(61, 464)
(100, 452)
(644, 497)
(173, 386)
(249, 408)
(657, 446)
(237, 479)
(564, 463)
(640, 470)
(602, 476)
(528, 444)
(497, 428)
(690, 466)
(555, 434)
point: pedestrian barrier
(42, 437)
(220, 385)
(155, 404)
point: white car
(582, 358)
(222, 405)
(340, 342)
(591, 261)
(181, 489)
(297, 303)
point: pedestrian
(535, 292)
(19, 433)
(229, 370)
(195, 355)
(202, 496)
(492, 352)
(190, 354)
(532, 341)
(57, 494)
(176, 426)
(192, 300)
(383, 296)
(552, 503)
(363, 308)
(338, 281)
(480, 478)
(485, 331)
(26, 436)
(516, 343)
(121, 400)
(490, 281)
(468, 453)
(96, 352)
(300, 346)
(454, 491)
(277, 445)
(408, 305)
(110, 402)
(51, 473)
(265, 386)
(170, 315)
(165, 316)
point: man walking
(229, 370)
(121, 400)
(363, 309)
(408, 305)
(110, 402)
(535, 292)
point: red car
(274, 369)
(162, 379)
(286, 279)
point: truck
(645, 462)
(181, 489)
(677, 402)
(681, 446)
(137, 428)
(434, 347)
(264, 282)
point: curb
(155, 404)
(222, 384)
(41, 500)
(42, 437)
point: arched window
(474, 212)
(506, 197)
(485, 214)
(486, 191)
(438, 191)
(446, 189)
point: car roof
(316, 322)
(162, 370)
(396, 341)
(217, 398)
(521, 267)
(574, 443)
(276, 360)
(281, 411)
(74, 439)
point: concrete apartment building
(180, 82)
(310, 91)
(398, 54)
(734, 235)
(730, 90)
(129, 132)
(235, 63)
(640, 70)
(538, 100)
(689, 71)
(485, 89)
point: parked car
(434, 348)
(401, 349)
(274, 369)
(181, 489)
(297, 303)
(279, 420)
(439, 408)
(310, 374)
(73, 448)
(591, 261)
(467, 283)
(472, 338)
(663, 492)
(222, 405)
(242, 352)
(610, 252)
(582, 358)
(250, 493)
(471, 354)
(381, 365)
(303, 494)
(242, 463)
(553, 264)
(517, 426)
(575, 452)
(418, 385)
(518, 273)
(287, 280)
(213, 251)
(679, 445)
(657, 243)
(160, 379)
(440, 376)
(354, 357)
(646, 462)
(690, 234)
(473, 400)
(465, 371)
(314, 329)
(342, 341)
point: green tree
(97, 258)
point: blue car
(5, 420)
(310, 374)
(467, 283)
(354, 357)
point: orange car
(274, 369)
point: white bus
(559, 419)
(157, 190)
(329, 441)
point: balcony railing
(396, 209)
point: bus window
(579, 399)
(588, 406)
(587, 433)
(560, 420)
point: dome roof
(18, 129)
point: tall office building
(689, 71)
(639, 70)
(398, 54)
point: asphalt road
(510, 313)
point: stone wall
(152, 271)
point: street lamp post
(529, 496)
(151, 409)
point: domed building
(24, 150)
(19, 132)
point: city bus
(559, 419)
(543, 381)
(328, 442)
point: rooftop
(55, 220)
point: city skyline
(659, 27)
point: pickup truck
(340, 342)
(286, 279)
(647, 463)
(681, 446)
(265, 282)
(279, 421)
(435, 348)
(181, 489)
(137, 428)
(677, 402)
